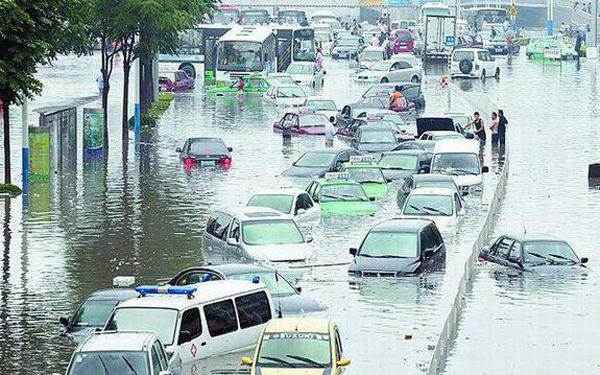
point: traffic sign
(513, 11)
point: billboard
(39, 154)
(93, 130)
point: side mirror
(233, 242)
(229, 149)
(300, 211)
(372, 199)
(584, 260)
(299, 289)
(185, 336)
(247, 361)
(428, 253)
(353, 251)
(308, 239)
(485, 169)
(424, 169)
(343, 362)
(64, 320)
(178, 149)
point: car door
(403, 191)
(158, 362)
(233, 244)
(304, 207)
(338, 350)
(216, 231)
(458, 206)
(515, 258)
(191, 338)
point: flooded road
(144, 215)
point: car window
(402, 65)
(195, 277)
(235, 230)
(303, 202)
(457, 203)
(503, 248)
(156, 367)
(219, 225)
(220, 318)
(190, 321)
(482, 56)
(164, 362)
(253, 309)
(515, 253)
(436, 236)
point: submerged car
(294, 203)
(398, 165)
(288, 298)
(370, 177)
(304, 73)
(535, 253)
(431, 180)
(324, 106)
(417, 144)
(551, 47)
(253, 86)
(205, 151)
(345, 49)
(390, 71)
(302, 123)
(175, 81)
(337, 195)
(285, 96)
(374, 140)
(370, 55)
(313, 164)
(399, 247)
(441, 205)
(412, 92)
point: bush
(158, 108)
(147, 121)
(10, 189)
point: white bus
(294, 44)
(485, 16)
(244, 51)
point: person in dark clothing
(479, 129)
(578, 42)
(502, 123)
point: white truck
(439, 37)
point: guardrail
(450, 330)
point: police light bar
(173, 290)
(362, 159)
(123, 281)
(337, 176)
(256, 279)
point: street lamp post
(25, 148)
(550, 21)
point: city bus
(294, 44)
(485, 16)
(244, 51)
(226, 14)
(255, 17)
(291, 16)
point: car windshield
(377, 136)
(342, 192)
(151, 319)
(557, 251)
(313, 120)
(283, 80)
(399, 161)
(362, 175)
(252, 18)
(381, 66)
(436, 183)
(295, 349)
(290, 92)
(94, 313)
(279, 202)
(390, 244)
(315, 159)
(109, 363)
(463, 55)
(456, 163)
(271, 232)
(371, 56)
(429, 204)
(239, 56)
(461, 120)
(322, 105)
(404, 37)
(300, 69)
(277, 286)
(207, 148)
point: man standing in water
(502, 122)
(479, 128)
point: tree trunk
(5, 117)
(105, 112)
(146, 83)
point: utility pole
(25, 148)
(137, 120)
(595, 25)
(550, 21)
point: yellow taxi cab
(307, 346)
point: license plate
(498, 49)
(207, 162)
(343, 54)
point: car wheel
(384, 80)
(415, 79)
(497, 74)
(188, 69)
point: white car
(257, 233)
(473, 63)
(293, 203)
(285, 96)
(324, 106)
(460, 159)
(304, 73)
(408, 57)
(281, 79)
(112, 352)
(444, 206)
(390, 71)
(370, 55)
(438, 135)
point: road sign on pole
(513, 11)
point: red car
(404, 42)
(175, 81)
(302, 122)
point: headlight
(476, 187)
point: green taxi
(369, 176)
(338, 195)
(253, 86)
(553, 47)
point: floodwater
(143, 215)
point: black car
(433, 180)
(314, 164)
(399, 247)
(376, 139)
(93, 313)
(412, 92)
(286, 298)
(398, 165)
(205, 151)
(531, 253)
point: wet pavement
(144, 215)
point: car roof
(253, 213)
(304, 324)
(433, 191)
(534, 237)
(432, 177)
(361, 165)
(285, 191)
(328, 150)
(206, 292)
(120, 294)
(401, 224)
(469, 49)
(227, 269)
(324, 182)
(111, 341)
(456, 145)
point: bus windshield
(240, 57)
(304, 45)
(226, 16)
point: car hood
(295, 171)
(443, 223)
(403, 265)
(290, 102)
(301, 77)
(297, 304)
(370, 73)
(348, 208)
(290, 371)
(467, 179)
(396, 174)
(79, 334)
(375, 189)
(279, 252)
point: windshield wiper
(436, 210)
(306, 360)
(540, 256)
(465, 171)
(372, 181)
(129, 365)
(562, 257)
(418, 209)
(103, 365)
(275, 359)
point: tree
(31, 33)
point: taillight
(189, 161)
(480, 259)
(225, 162)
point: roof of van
(206, 292)
(247, 33)
(117, 341)
(304, 324)
(456, 145)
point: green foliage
(10, 189)
(148, 120)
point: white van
(473, 63)
(199, 320)
(459, 158)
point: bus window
(240, 56)
(304, 45)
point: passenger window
(426, 240)
(482, 56)
(504, 248)
(196, 277)
(235, 230)
(338, 344)
(303, 202)
(156, 368)
(402, 65)
(407, 185)
(218, 226)
(457, 203)
(190, 321)
(437, 237)
(220, 318)
(164, 363)
(253, 309)
(346, 111)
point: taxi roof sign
(362, 159)
(337, 176)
